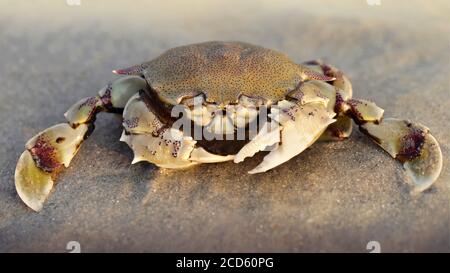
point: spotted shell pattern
(222, 71)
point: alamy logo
(373, 2)
(374, 247)
(73, 247)
(73, 2)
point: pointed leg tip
(419, 185)
(32, 184)
(421, 181)
(426, 168)
(238, 160)
(256, 170)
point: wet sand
(334, 197)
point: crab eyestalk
(52, 149)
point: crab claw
(266, 137)
(413, 145)
(300, 127)
(203, 156)
(46, 153)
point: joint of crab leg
(117, 94)
(339, 130)
(112, 97)
(83, 111)
(411, 144)
(361, 111)
(45, 155)
(342, 82)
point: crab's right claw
(412, 144)
(45, 155)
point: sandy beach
(334, 197)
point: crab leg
(342, 128)
(340, 81)
(413, 145)
(52, 149)
(410, 143)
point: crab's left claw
(412, 144)
(44, 157)
(300, 126)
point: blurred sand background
(333, 197)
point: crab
(225, 101)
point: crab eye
(248, 101)
(191, 101)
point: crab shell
(222, 72)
